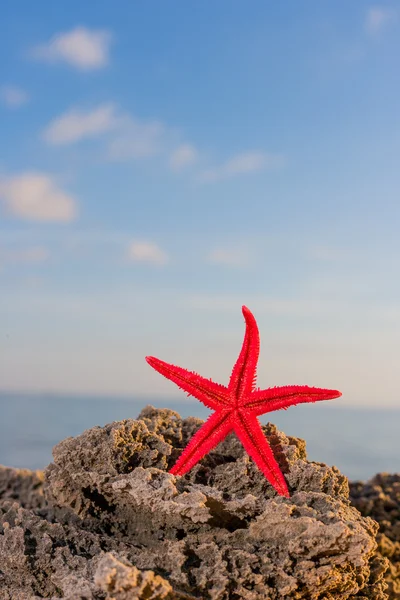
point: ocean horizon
(359, 441)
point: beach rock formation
(22, 485)
(379, 499)
(109, 522)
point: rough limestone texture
(379, 498)
(110, 523)
(22, 485)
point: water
(361, 442)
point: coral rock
(22, 485)
(379, 498)
(116, 525)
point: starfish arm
(276, 398)
(248, 430)
(243, 376)
(214, 430)
(213, 395)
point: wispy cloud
(228, 258)
(146, 252)
(325, 253)
(36, 197)
(129, 137)
(183, 156)
(305, 305)
(76, 125)
(12, 96)
(82, 48)
(260, 304)
(243, 164)
(378, 18)
(134, 139)
(29, 255)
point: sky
(164, 163)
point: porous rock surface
(110, 523)
(379, 498)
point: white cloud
(12, 96)
(31, 255)
(260, 304)
(328, 253)
(136, 139)
(182, 157)
(129, 138)
(82, 48)
(147, 252)
(36, 197)
(249, 162)
(76, 125)
(377, 18)
(229, 258)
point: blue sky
(164, 163)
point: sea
(359, 441)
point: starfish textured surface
(237, 407)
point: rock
(124, 582)
(116, 525)
(22, 485)
(379, 498)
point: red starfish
(237, 407)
